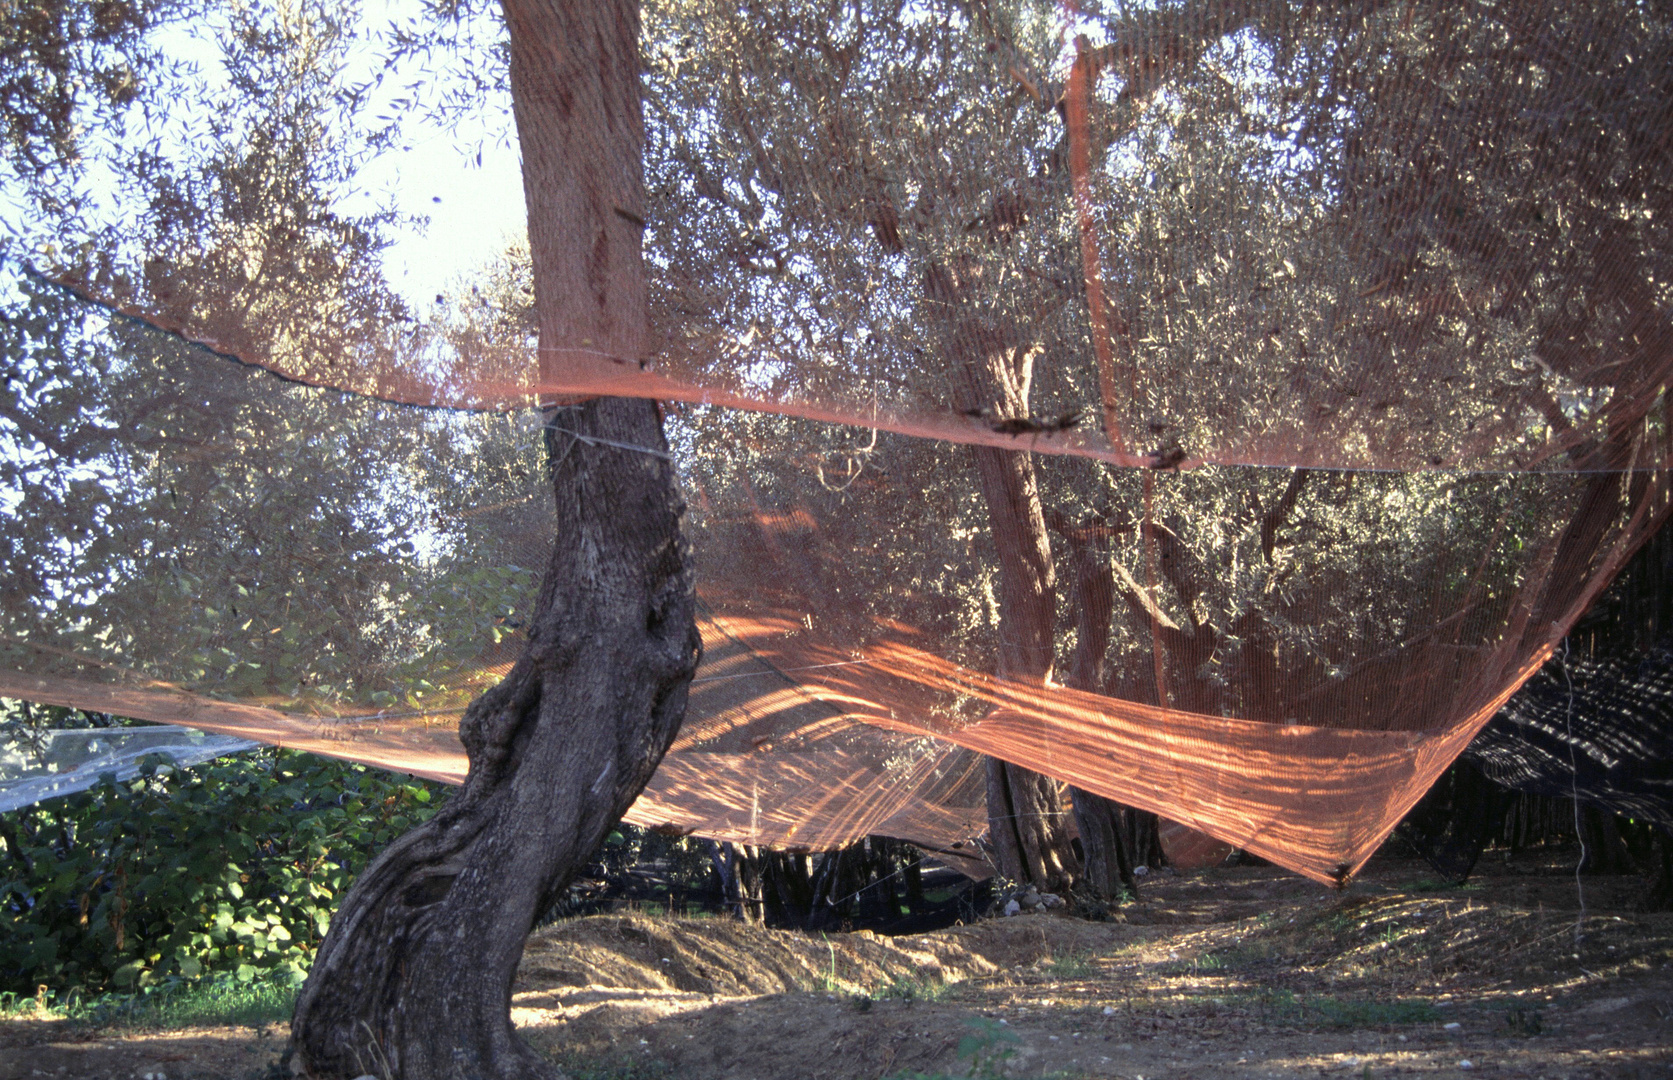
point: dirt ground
(1219, 973)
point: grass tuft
(222, 1001)
(1074, 965)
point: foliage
(1070, 965)
(238, 536)
(909, 990)
(65, 66)
(800, 232)
(232, 867)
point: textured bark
(787, 889)
(1025, 811)
(413, 981)
(746, 863)
(1107, 859)
(990, 370)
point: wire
(779, 671)
(594, 440)
(1574, 792)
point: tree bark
(990, 371)
(413, 980)
(1107, 863)
(788, 889)
(746, 865)
(1025, 810)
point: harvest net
(1223, 408)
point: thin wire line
(779, 671)
(594, 440)
(1574, 793)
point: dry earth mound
(727, 958)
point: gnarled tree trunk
(413, 981)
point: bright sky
(459, 192)
(474, 210)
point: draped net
(1319, 353)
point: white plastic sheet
(73, 760)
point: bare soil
(1218, 973)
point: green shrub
(231, 867)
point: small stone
(1140, 871)
(1466, 1064)
(1051, 900)
(1109, 1010)
(1012, 907)
(1454, 1026)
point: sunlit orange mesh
(1332, 342)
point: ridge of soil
(1219, 973)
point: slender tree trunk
(722, 859)
(990, 372)
(1108, 862)
(413, 981)
(913, 875)
(1025, 811)
(747, 863)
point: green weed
(986, 1049)
(1432, 884)
(1524, 1021)
(909, 990)
(1075, 965)
(219, 1001)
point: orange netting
(1300, 369)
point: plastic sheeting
(67, 761)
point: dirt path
(1227, 973)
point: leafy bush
(231, 867)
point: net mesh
(1220, 407)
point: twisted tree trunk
(413, 981)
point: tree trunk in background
(1025, 811)
(1606, 849)
(990, 372)
(1658, 869)
(746, 863)
(413, 981)
(788, 889)
(720, 857)
(1103, 834)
